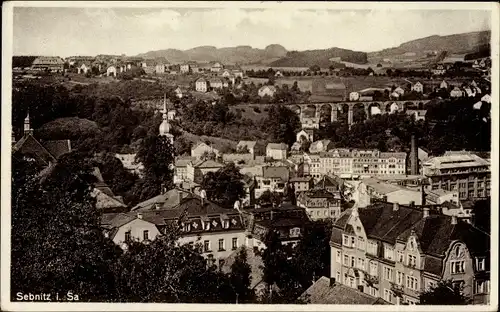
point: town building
(440, 196)
(456, 93)
(371, 190)
(277, 150)
(196, 170)
(111, 71)
(201, 85)
(216, 67)
(418, 87)
(200, 149)
(331, 184)
(267, 90)
(301, 184)
(52, 64)
(354, 96)
(320, 204)
(216, 83)
(305, 135)
(180, 169)
(44, 153)
(396, 252)
(161, 68)
(438, 70)
(320, 146)
(289, 221)
(273, 179)
(462, 171)
(256, 148)
(443, 85)
(184, 68)
(215, 230)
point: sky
(91, 31)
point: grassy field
(214, 140)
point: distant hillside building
(267, 90)
(201, 85)
(49, 63)
(324, 90)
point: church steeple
(27, 125)
(165, 126)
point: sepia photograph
(249, 156)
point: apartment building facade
(362, 162)
(466, 173)
(320, 204)
(396, 252)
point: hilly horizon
(278, 56)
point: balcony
(371, 280)
(398, 290)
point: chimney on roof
(426, 212)
(395, 206)
(453, 220)
(422, 193)
(332, 281)
(414, 156)
(139, 215)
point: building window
(399, 278)
(480, 289)
(345, 241)
(372, 248)
(210, 260)
(128, 236)
(221, 244)
(388, 273)
(234, 243)
(373, 268)
(388, 253)
(145, 234)
(339, 256)
(361, 243)
(353, 241)
(361, 264)
(346, 260)
(353, 261)
(400, 256)
(412, 261)
(388, 295)
(457, 267)
(412, 282)
(206, 246)
(480, 264)
(338, 277)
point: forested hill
(322, 58)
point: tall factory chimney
(413, 156)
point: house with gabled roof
(397, 251)
(216, 231)
(45, 153)
(276, 150)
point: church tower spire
(27, 125)
(165, 125)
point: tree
(282, 124)
(224, 186)
(444, 293)
(315, 68)
(268, 197)
(241, 278)
(156, 154)
(57, 243)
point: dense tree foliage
(156, 153)
(57, 244)
(240, 278)
(224, 186)
(282, 124)
(444, 293)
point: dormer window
(480, 264)
(187, 227)
(207, 226)
(226, 224)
